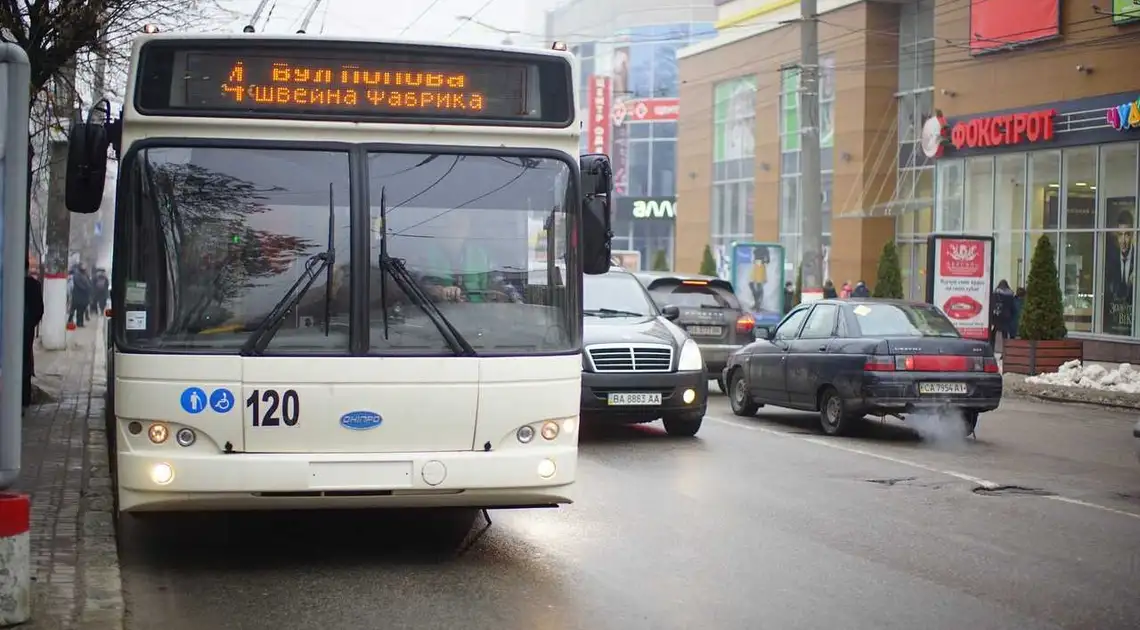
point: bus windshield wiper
(395, 267)
(264, 333)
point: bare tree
(96, 35)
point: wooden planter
(1022, 356)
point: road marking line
(858, 451)
(1092, 505)
(906, 462)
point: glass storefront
(642, 63)
(1083, 198)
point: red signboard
(1003, 130)
(644, 110)
(1002, 24)
(598, 125)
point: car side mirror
(671, 313)
(597, 233)
(762, 333)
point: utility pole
(53, 328)
(811, 190)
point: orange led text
(353, 86)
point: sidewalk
(64, 468)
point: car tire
(969, 422)
(834, 418)
(720, 384)
(738, 397)
(682, 426)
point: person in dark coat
(829, 290)
(1018, 304)
(861, 290)
(33, 314)
(1002, 305)
(80, 295)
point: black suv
(637, 366)
(708, 309)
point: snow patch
(1074, 374)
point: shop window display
(1117, 210)
(979, 209)
(1044, 185)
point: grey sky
(385, 19)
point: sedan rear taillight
(745, 324)
(931, 363)
(879, 364)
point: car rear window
(693, 295)
(902, 320)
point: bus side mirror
(597, 233)
(87, 144)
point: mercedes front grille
(630, 358)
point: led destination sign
(363, 84)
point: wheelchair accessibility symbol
(221, 400)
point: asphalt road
(755, 524)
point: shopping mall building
(1029, 124)
(628, 87)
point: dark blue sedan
(847, 359)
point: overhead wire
(470, 18)
(419, 17)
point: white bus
(321, 270)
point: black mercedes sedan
(638, 365)
(846, 359)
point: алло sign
(648, 208)
(1003, 130)
(1125, 116)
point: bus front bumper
(522, 477)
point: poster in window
(758, 280)
(1119, 266)
(1125, 11)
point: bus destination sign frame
(361, 82)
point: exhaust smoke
(944, 428)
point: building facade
(1039, 136)
(1030, 119)
(629, 88)
(739, 169)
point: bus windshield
(214, 237)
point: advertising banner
(757, 278)
(598, 120)
(1003, 24)
(645, 110)
(619, 154)
(959, 280)
(1125, 11)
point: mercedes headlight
(691, 359)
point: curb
(1014, 386)
(102, 606)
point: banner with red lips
(959, 281)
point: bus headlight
(158, 433)
(691, 359)
(569, 426)
(185, 437)
(162, 473)
(525, 434)
(549, 430)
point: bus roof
(295, 38)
